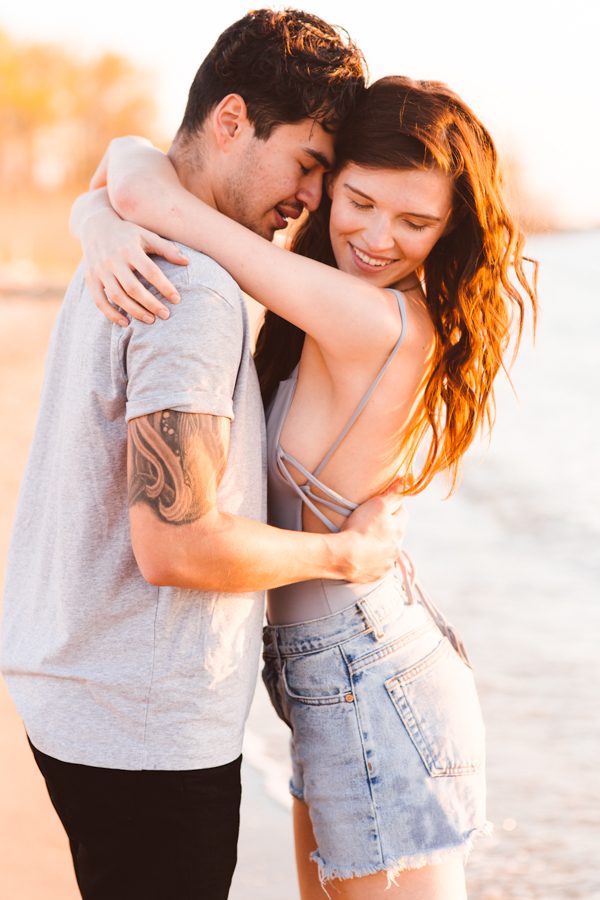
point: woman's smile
(367, 261)
(384, 222)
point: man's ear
(329, 180)
(230, 121)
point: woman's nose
(379, 236)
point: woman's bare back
(328, 391)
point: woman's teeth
(371, 261)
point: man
(132, 618)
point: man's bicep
(175, 462)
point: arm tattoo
(176, 461)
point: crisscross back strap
(368, 393)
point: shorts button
(349, 698)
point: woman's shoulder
(418, 326)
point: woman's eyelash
(412, 225)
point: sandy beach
(34, 856)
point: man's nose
(311, 191)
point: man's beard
(241, 204)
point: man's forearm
(180, 538)
(223, 552)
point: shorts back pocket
(437, 701)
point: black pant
(149, 835)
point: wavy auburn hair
(473, 279)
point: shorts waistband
(370, 612)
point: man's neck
(193, 171)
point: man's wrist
(341, 550)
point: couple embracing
(133, 607)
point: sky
(530, 69)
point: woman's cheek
(343, 222)
(421, 245)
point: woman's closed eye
(361, 205)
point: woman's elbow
(125, 194)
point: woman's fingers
(118, 261)
(151, 272)
(118, 297)
(155, 276)
(165, 248)
(143, 298)
(98, 294)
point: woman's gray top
(309, 600)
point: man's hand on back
(377, 529)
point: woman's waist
(342, 609)
(398, 598)
(305, 601)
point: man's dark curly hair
(286, 65)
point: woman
(396, 349)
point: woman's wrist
(87, 207)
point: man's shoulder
(201, 271)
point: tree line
(58, 112)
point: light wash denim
(387, 735)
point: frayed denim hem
(295, 792)
(330, 872)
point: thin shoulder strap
(367, 396)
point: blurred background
(513, 557)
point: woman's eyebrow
(356, 191)
(415, 215)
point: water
(514, 560)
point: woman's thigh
(445, 881)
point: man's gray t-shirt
(104, 668)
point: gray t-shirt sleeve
(189, 362)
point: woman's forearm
(343, 314)
(140, 180)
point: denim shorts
(387, 735)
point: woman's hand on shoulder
(116, 253)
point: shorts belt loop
(371, 617)
(271, 641)
(406, 575)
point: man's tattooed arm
(175, 463)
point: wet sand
(34, 856)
